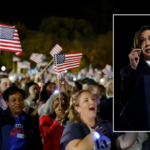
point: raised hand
(134, 58)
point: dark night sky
(33, 13)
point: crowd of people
(45, 112)
(59, 115)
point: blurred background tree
(74, 35)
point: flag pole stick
(36, 66)
(58, 80)
(49, 64)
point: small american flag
(37, 58)
(108, 71)
(108, 67)
(9, 39)
(22, 65)
(42, 64)
(67, 61)
(27, 63)
(15, 58)
(56, 50)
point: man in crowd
(4, 84)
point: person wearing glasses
(51, 123)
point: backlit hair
(74, 102)
(137, 39)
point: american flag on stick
(56, 50)
(9, 39)
(67, 61)
(37, 58)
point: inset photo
(131, 55)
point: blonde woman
(83, 129)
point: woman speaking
(139, 65)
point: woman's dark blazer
(130, 79)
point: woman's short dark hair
(11, 91)
(44, 95)
(27, 88)
(137, 38)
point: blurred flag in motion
(67, 61)
(33, 71)
(9, 39)
(108, 71)
(15, 58)
(37, 58)
(23, 65)
(27, 63)
(56, 50)
(90, 73)
(43, 57)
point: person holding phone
(139, 65)
(51, 124)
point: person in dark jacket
(18, 131)
(139, 66)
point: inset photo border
(131, 102)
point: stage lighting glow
(3, 68)
(56, 91)
(74, 79)
(10, 78)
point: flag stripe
(10, 48)
(11, 42)
(16, 45)
(67, 65)
(62, 70)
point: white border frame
(114, 66)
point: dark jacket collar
(7, 112)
